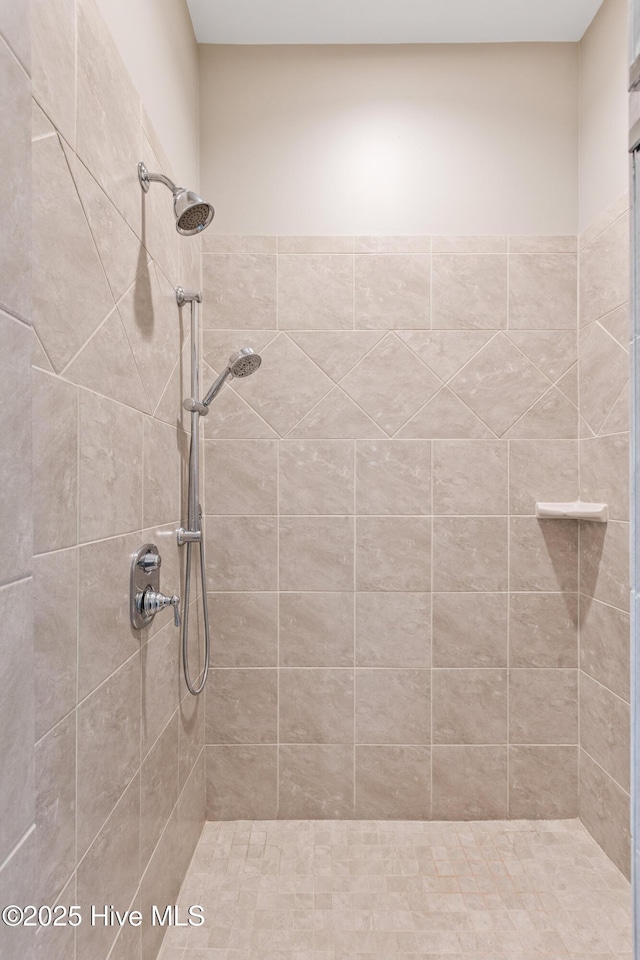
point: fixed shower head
(192, 213)
(241, 364)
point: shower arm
(145, 178)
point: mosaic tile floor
(333, 890)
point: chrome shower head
(192, 213)
(244, 363)
(241, 364)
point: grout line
(580, 529)
(96, 393)
(16, 848)
(508, 659)
(608, 225)
(301, 668)
(371, 743)
(337, 383)
(538, 400)
(37, 336)
(77, 663)
(117, 943)
(431, 605)
(80, 545)
(354, 689)
(604, 603)
(138, 773)
(456, 593)
(11, 314)
(608, 332)
(374, 516)
(508, 278)
(21, 578)
(278, 662)
(619, 396)
(276, 435)
(75, 74)
(604, 686)
(354, 299)
(555, 382)
(605, 771)
(430, 318)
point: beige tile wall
(17, 782)
(604, 551)
(395, 635)
(119, 764)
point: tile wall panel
(109, 454)
(604, 551)
(391, 610)
(18, 793)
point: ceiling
(390, 21)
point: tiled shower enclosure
(398, 633)
(399, 645)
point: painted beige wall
(155, 39)
(390, 139)
(603, 112)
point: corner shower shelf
(576, 510)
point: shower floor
(332, 890)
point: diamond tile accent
(445, 351)
(286, 387)
(618, 419)
(337, 417)
(150, 317)
(618, 324)
(390, 384)
(552, 352)
(336, 352)
(499, 384)
(604, 365)
(105, 364)
(445, 417)
(71, 296)
(230, 418)
(119, 249)
(569, 384)
(552, 417)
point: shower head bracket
(143, 177)
(187, 296)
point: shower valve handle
(152, 602)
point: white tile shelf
(576, 510)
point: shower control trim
(150, 562)
(145, 597)
(151, 601)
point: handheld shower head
(192, 213)
(244, 363)
(241, 364)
